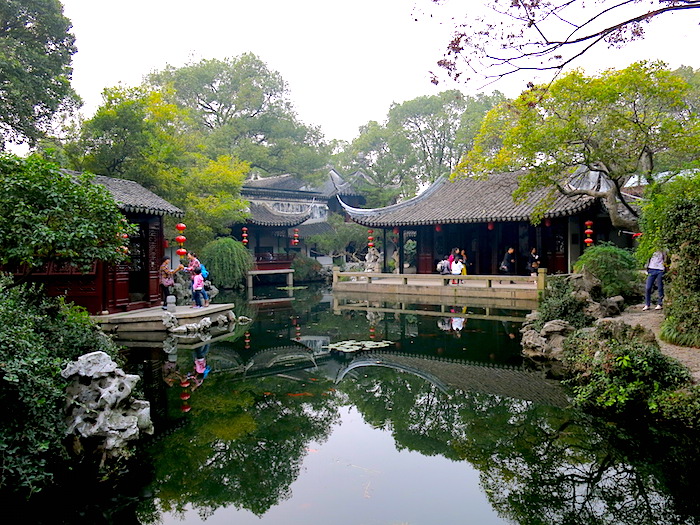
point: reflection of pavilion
(509, 311)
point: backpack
(205, 272)
(443, 267)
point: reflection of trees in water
(243, 445)
(538, 464)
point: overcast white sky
(344, 62)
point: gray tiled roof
(338, 185)
(134, 198)
(278, 182)
(467, 200)
(264, 215)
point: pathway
(652, 320)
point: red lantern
(295, 240)
(588, 223)
(396, 231)
(588, 232)
(185, 408)
(438, 227)
(244, 235)
(490, 225)
(547, 223)
(588, 241)
(181, 252)
(185, 396)
(180, 239)
(180, 227)
(184, 383)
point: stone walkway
(652, 320)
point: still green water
(445, 424)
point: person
(534, 267)
(656, 267)
(197, 287)
(532, 259)
(457, 267)
(507, 265)
(167, 279)
(453, 255)
(443, 267)
(465, 262)
(192, 265)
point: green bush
(682, 406)
(616, 268)
(620, 371)
(671, 221)
(38, 337)
(228, 262)
(306, 268)
(560, 303)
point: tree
(36, 49)
(440, 128)
(49, 215)
(243, 110)
(347, 238)
(421, 140)
(544, 35)
(591, 136)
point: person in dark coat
(507, 265)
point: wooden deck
(492, 288)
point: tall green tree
(49, 215)
(421, 140)
(592, 135)
(36, 49)
(243, 110)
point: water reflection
(281, 428)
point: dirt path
(652, 319)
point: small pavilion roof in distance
(134, 198)
(467, 200)
(264, 215)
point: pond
(329, 410)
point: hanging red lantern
(490, 225)
(180, 227)
(370, 238)
(295, 239)
(244, 235)
(180, 239)
(588, 232)
(547, 223)
(396, 231)
(438, 227)
(181, 252)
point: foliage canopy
(36, 49)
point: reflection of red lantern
(184, 383)
(180, 227)
(371, 332)
(246, 339)
(490, 225)
(181, 252)
(185, 396)
(180, 239)
(185, 408)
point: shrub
(616, 268)
(560, 303)
(38, 337)
(620, 371)
(306, 268)
(228, 261)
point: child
(457, 267)
(534, 265)
(197, 287)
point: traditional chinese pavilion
(123, 287)
(480, 216)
